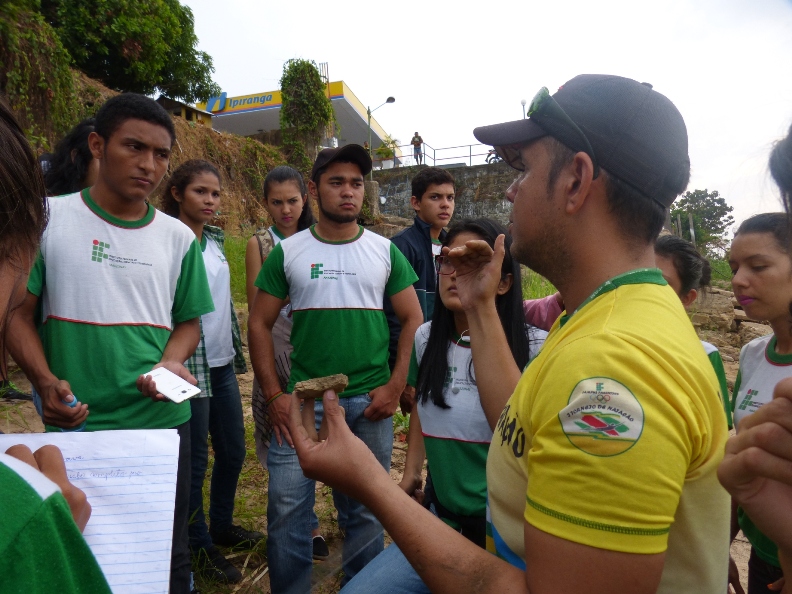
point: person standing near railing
(417, 143)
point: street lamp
(523, 102)
(369, 111)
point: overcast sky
(453, 66)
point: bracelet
(273, 397)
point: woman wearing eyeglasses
(448, 427)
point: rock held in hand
(315, 388)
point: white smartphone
(172, 386)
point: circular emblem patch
(603, 417)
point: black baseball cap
(636, 133)
(353, 153)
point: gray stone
(315, 388)
(751, 330)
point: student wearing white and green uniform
(689, 274)
(448, 426)
(193, 195)
(118, 288)
(287, 202)
(110, 288)
(762, 283)
(335, 275)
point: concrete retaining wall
(480, 191)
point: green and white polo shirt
(41, 549)
(457, 439)
(761, 368)
(110, 292)
(336, 291)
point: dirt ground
(21, 417)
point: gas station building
(249, 115)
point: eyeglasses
(443, 265)
(544, 107)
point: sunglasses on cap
(544, 107)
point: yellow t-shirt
(619, 426)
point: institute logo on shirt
(603, 417)
(749, 400)
(317, 272)
(98, 254)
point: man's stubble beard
(546, 254)
(336, 218)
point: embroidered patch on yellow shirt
(603, 417)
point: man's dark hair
(428, 176)
(640, 218)
(774, 223)
(131, 106)
(321, 171)
(69, 165)
(692, 268)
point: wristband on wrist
(274, 397)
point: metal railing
(464, 154)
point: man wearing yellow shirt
(601, 475)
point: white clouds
(453, 66)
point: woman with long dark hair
(762, 283)
(193, 194)
(72, 166)
(448, 426)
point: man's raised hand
(478, 271)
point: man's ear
(576, 180)
(96, 144)
(505, 284)
(312, 189)
(415, 203)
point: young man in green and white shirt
(335, 275)
(120, 287)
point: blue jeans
(388, 573)
(221, 417)
(291, 500)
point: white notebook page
(129, 478)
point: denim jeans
(388, 573)
(221, 417)
(291, 500)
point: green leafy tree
(711, 218)
(306, 111)
(135, 45)
(35, 77)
